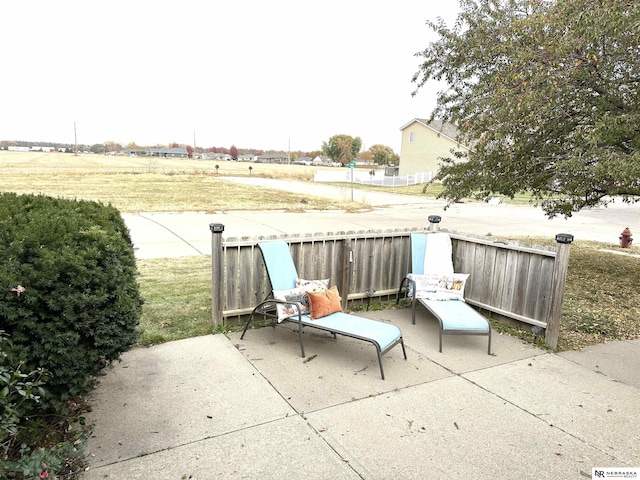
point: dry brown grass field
(134, 184)
(55, 162)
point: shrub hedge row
(69, 296)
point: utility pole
(75, 135)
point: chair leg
(380, 363)
(404, 352)
(300, 338)
(413, 310)
(402, 283)
(246, 326)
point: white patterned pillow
(313, 285)
(440, 287)
(297, 296)
(423, 284)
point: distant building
(423, 143)
(175, 152)
(273, 158)
(38, 148)
(217, 156)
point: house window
(411, 134)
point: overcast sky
(266, 74)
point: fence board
(260, 284)
(532, 286)
(329, 260)
(246, 273)
(520, 289)
(487, 273)
(509, 301)
(401, 255)
(389, 264)
(466, 252)
(232, 274)
(498, 278)
(360, 266)
(544, 289)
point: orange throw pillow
(324, 303)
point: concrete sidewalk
(157, 235)
(221, 407)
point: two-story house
(423, 143)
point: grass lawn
(177, 296)
(601, 298)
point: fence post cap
(434, 218)
(564, 238)
(216, 227)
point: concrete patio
(220, 407)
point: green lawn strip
(177, 294)
(601, 300)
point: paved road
(184, 234)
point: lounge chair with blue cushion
(283, 276)
(431, 260)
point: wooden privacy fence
(522, 282)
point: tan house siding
(423, 143)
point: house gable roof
(447, 130)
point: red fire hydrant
(625, 238)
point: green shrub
(20, 391)
(69, 297)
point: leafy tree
(342, 148)
(366, 156)
(111, 146)
(383, 155)
(233, 151)
(97, 148)
(189, 150)
(546, 92)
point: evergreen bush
(69, 296)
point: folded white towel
(438, 256)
